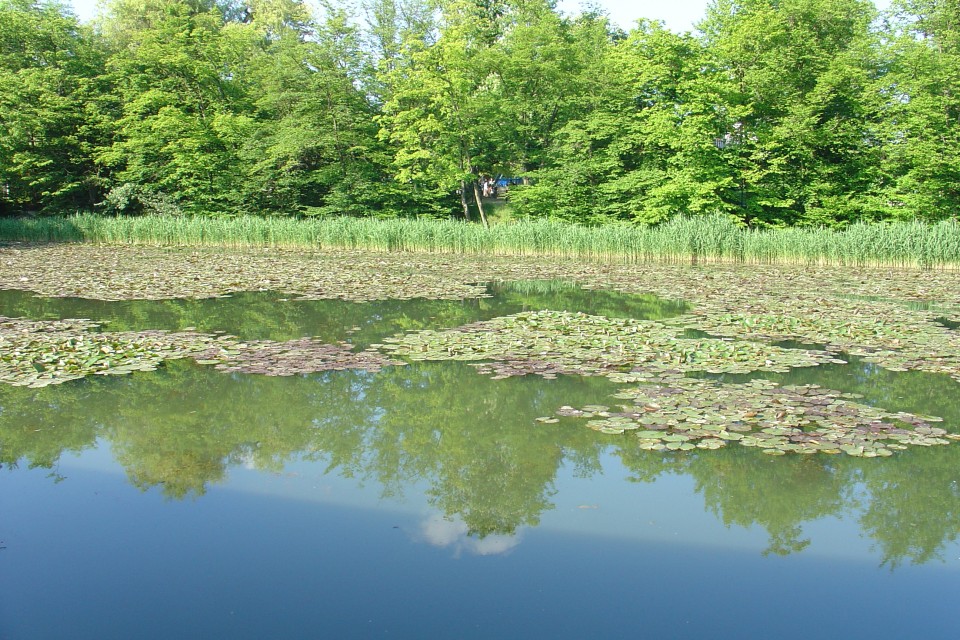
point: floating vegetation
(882, 333)
(549, 343)
(129, 272)
(41, 353)
(37, 354)
(858, 311)
(305, 355)
(142, 273)
(669, 412)
(740, 320)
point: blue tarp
(503, 181)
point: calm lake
(427, 501)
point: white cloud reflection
(444, 532)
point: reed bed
(686, 239)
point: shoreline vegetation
(681, 240)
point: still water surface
(425, 501)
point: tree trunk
(463, 200)
(483, 217)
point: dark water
(426, 502)
(949, 324)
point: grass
(704, 239)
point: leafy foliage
(773, 114)
(50, 88)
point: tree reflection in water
(488, 467)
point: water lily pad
(40, 353)
(776, 420)
(576, 343)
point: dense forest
(774, 112)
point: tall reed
(684, 239)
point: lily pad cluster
(669, 412)
(887, 334)
(40, 353)
(860, 311)
(304, 355)
(550, 342)
(149, 273)
(136, 272)
(738, 314)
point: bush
(134, 199)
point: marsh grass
(700, 239)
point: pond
(470, 495)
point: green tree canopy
(49, 121)
(774, 112)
